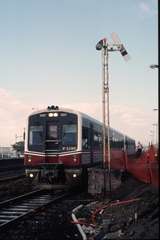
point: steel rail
(16, 209)
(7, 179)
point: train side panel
(118, 160)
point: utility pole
(105, 49)
(156, 126)
(153, 66)
(156, 133)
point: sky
(48, 57)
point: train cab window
(36, 135)
(52, 132)
(69, 137)
(130, 146)
(52, 141)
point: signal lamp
(101, 44)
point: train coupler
(52, 173)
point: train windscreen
(54, 132)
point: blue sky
(48, 56)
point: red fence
(146, 167)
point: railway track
(11, 178)
(13, 164)
(15, 209)
(11, 169)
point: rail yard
(79, 129)
(61, 189)
(29, 212)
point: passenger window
(69, 135)
(85, 138)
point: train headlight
(55, 114)
(51, 114)
(29, 160)
(74, 175)
(31, 175)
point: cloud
(130, 120)
(144, 7)
(132, 116)
(150, 8)
(13, 114)
(92, 109)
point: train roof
(65, 110)
(59, 109)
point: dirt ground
(132, 212)
(14, 188)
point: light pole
(153, 66)
(152, 136)
(156, 128)
(105, 49)
(16, 136)
(156, 125)
(156, 132)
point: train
(65, 142)
(62, 144)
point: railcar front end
(52, 147)
(61, 144)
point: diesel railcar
(61, 144)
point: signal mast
(105, 48)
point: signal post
(105, 49)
